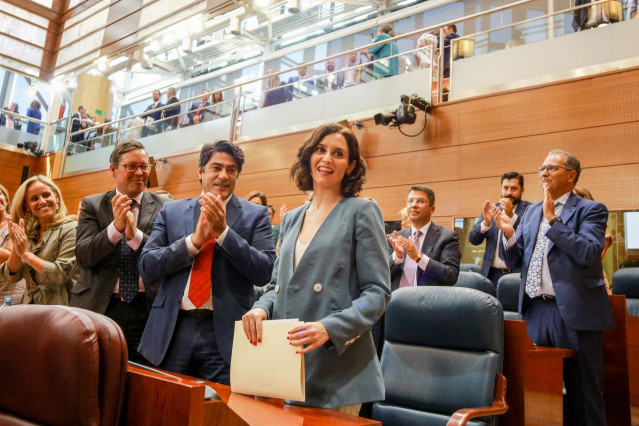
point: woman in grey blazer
(43, 243)
(331, 273)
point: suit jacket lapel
(287, 255)
(106, 207)
(431, 238)
(535, 216)
(147, 210)
(233, 211)
(566, 212)
(192, 216)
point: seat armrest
(461, 417)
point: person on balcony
(382, 67)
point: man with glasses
(112, 230)
(512, 188)
(563, 295)
(425, 254)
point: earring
(57, 208)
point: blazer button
(317, 287)
(277, 288)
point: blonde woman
(43, 243)
(15, 290)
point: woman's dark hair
(215, 101)
(301, 172)
(227, 147)
(36, 105)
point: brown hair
(4, 192)
(352, 182)
(123, 148)
(582, 192)
(258, 194)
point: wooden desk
(632, 323)
(157, 399)
(535, 379)
(535, 374)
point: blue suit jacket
(574, 260)
(157, 115)
(441, 245)
(244, 260)
(476, 237)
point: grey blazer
(343, 281)
(98, 258)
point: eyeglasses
(132, 168)
(418, 201)
(552, 168)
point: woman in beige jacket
(15, 290)
(43, 243)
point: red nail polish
(288, 338)
(259, 340)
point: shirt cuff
(220, 240)
(190, 248)
(508, 243)
(483, 228)
(514, 218)
(114, 235)
(136, 242)
(397, 260)
(423, 263)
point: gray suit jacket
(441, 245)
(98, 258)
(342, 280)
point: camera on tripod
(32, 146)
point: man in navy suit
(512, 188)
(563, 297)
(301, 89)
(188, 333)
(153, 119)
(425, 254)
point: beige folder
(272, 368)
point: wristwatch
(420, 255)
(555, 220)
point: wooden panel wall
(11, 164)
(466, 147)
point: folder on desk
(271, 368)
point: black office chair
(508, 295)
(626, 281)
(442, 358)
(476, 281)
(469, 267)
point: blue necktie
(533, 280)
(129, 276)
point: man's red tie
(200, 288)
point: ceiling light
(234, 25)
(103, 66)
(293, 6)
(155, 45)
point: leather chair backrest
(508, 295)
(469, 267)
(58, 366)
(113, 364)
(443, 348)
(626, 282)
(476, 281)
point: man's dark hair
(452, 27)
(123, 148)
(272, 209)
(629, 263)
(513, 175)
(221, 146)
(425, 189)
(301, 170)
(80, 107)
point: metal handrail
(537, 18)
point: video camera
(31, 146)
(405, 113)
